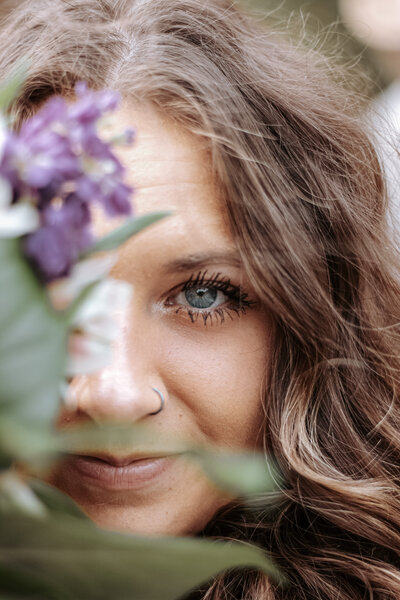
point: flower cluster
(52, 171)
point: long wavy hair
(303, 190)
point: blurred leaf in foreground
(72, 559)
(125, 231)
(240, 473)
(32, 342)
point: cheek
(215, 378)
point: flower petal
(89, 348)
(64, 291)
(6, 193)
(52, 252)
(86, 355)
(18, 220)
(108, 293)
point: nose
(128, 389)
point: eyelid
(235, 304)
(236, 301)
(217, 280)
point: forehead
(163, 151)
(169, 169)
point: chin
(163, 521)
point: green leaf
(56, 501)
(16, 495)
(32, 342)
(18, 583)
(124, 232)
(86, 563)
(10, 87)
(33, 445)
(242, 473)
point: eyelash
(238, 299)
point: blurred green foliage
(324, 10)
(324, 28)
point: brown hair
(304, 193)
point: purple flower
(115, 197)
(59, 161)
(40, 152)
(110, 192)
(65, 232)
(34, 164)
(92, 105)
(129, 136)
(73, 213)
(50, 250)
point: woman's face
(193, 331)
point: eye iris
(201, 297)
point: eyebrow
(203, 259)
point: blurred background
(365, 34)
(366, 30)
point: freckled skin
(210, 375)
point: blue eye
(203, 297)
(211, 298)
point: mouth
(110, 472)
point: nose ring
(162, 401)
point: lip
(112, 473)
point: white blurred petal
(17, 220)
(89, 348)
(5, 194)
(106, 329)
(63, 291)
(86, 355)
(107, 298)
(108, 167)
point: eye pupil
(201, 297)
